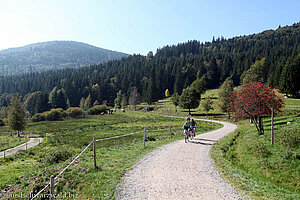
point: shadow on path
(202, 139)
(196, 142)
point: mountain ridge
(53, 55)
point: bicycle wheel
(186, 139)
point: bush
(74, 112)
(54, 114)
(38, 117)
(290, 136)
(56, 155)
(96, 110)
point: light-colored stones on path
(180, 171)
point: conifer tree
(53, 98)
(289, 82)
(61, 101)
(42, 103)
(255, 73)
(149, 55)
(150, 92)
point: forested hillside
(52, 55)
(172, 67)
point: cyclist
(193, 127)
(187, 127)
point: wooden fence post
(144, 136)
(272, 122)
(94, 148)
(4, 153)
(171, 132)
(52, 185)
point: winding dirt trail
(31, 143)
(180, 171)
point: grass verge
(263, 170)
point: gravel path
(180, 171)
(31, 143)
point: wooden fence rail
(53, 180)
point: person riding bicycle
(193, 127)
(187, 125)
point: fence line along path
(180, 171)
(27, 145)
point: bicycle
(191, 133)
(186, 134)
(194, 131)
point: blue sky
(137, 26)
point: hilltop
(53, 55)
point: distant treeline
(172, 67)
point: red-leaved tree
(254, 101)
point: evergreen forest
(172, 67)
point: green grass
(263, 175)
(254, 165)
(211, 93)
(8, 141)
(30, 170)
(165, 106)
(292, 104)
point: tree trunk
(260, 125)
(18, 133)
(189, 111)
(228, 115)
(254, 120)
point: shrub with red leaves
(254, 101)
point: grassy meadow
(29, 171)
(263, 170)
(248, 160)
(165, 106)
(9, 140)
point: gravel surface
(31, 143)
(180, 171)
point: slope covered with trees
(172, 67)
(53, 55)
